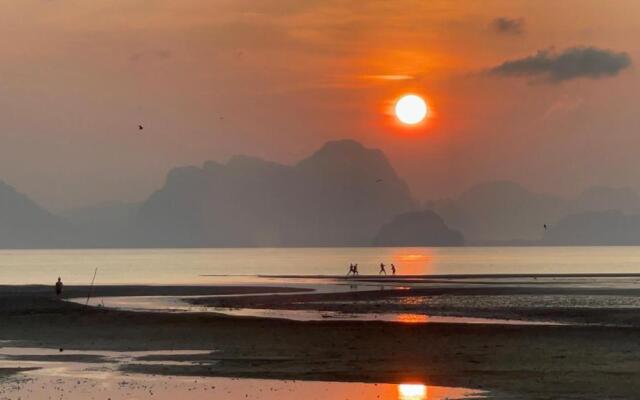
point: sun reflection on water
(414, 261)
(412, 391)
(412, 318)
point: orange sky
(277, 78)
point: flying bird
(140, 127)
(378, 180)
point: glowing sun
(412, 392)
(411, 109)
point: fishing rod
(91, 287)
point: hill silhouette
(603, 198)
(344, 194)
(24, 224)
(339, 196)
(419, 228)
(595, 228)
(504, 212)
(499, 211)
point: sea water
(205, 266)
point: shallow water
(414, 318)
(603, 292)
(81, 381)
(175, 304)
(188, 266)
(519, 301)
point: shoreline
(460, 301)
(520, 361)
(401, 278)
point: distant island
(418, 228)
(344, 194)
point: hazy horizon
(540, 94)
(566, 195)
(342, 194)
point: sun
(411, 109)
(412, 391)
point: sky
(542, 93)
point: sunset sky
(543, 93)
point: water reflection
(412, 391)
(414, 261)
(412, 318)
(102, 377)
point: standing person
(59, 286)
(393, 269)
(355, 269)
(382, 270)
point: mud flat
(508, 361)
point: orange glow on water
(411, 391)
(412, 318)
(414, 261)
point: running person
(350, 269)
(382, 269)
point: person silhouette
(59, 286)
(351, 270)
(393, 269)
(382, 270)
(355, 269)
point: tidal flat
(503, 360)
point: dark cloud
(509, 26)
(576, 62)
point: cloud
(508, 26)
(389, 77)
(572, 63)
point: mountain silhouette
(499, 211)
(595, 228)
(24, 224)
(332, 198)
(419, 228)
(343, 194)
(504, 212)
(603, 198)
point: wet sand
(510, 361)
(8, 372)
(408, 301)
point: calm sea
(187, 266)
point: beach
(319, 200)
(508, 361)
